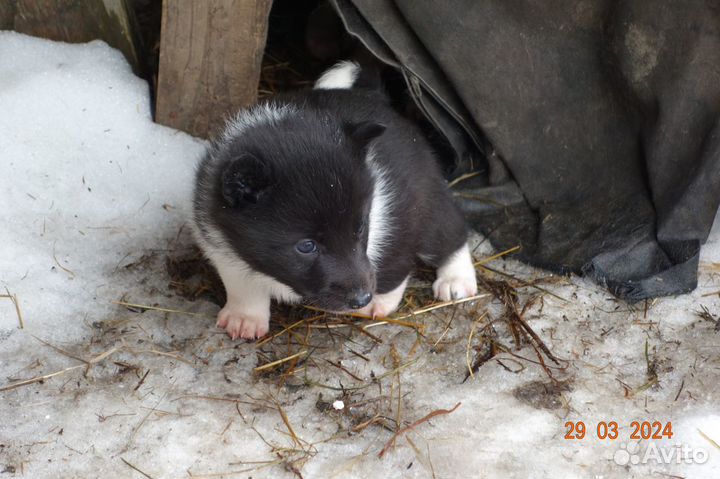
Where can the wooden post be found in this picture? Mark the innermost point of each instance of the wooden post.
(7, 15)
(77, 21)
(210, 59)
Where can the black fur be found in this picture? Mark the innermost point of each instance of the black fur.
(306, 177)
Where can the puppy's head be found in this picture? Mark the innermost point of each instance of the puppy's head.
(292, 199)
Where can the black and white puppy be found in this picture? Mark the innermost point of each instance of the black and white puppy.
(327, 196)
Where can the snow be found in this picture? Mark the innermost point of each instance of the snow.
(94, 196)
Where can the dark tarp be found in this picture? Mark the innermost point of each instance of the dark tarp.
(592, 124)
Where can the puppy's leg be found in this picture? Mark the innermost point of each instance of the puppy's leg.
(445, 248)
(247, 311)
(384, 304)
(456, 276)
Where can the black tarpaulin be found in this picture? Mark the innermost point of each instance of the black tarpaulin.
(592, 125)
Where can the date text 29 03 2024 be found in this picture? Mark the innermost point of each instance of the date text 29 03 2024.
(610, 430)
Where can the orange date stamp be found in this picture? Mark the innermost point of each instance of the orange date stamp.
(576, 430)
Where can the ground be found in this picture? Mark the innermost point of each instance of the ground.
(110, 364)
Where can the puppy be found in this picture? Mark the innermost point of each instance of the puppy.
(328, 197)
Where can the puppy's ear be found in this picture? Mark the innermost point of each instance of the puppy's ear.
(245, 180)
(363, 132)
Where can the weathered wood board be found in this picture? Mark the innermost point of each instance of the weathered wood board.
(7, 14)
(210, 59)
(76, 21)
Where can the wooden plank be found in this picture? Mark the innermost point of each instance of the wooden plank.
(78, 21)
(210, 59)
(7, 14)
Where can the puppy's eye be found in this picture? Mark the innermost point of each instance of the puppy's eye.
(361, 228)
(306, 246)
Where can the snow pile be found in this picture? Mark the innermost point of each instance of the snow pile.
(94, 197)
(87, 178)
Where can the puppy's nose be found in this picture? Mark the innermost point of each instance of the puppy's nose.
(358, 299)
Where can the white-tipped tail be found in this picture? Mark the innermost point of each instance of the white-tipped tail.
(341, 76)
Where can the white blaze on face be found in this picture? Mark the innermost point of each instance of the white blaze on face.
(342, 76)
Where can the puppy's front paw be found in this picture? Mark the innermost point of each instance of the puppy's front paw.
(240, 324)
(379, 308)
(385, 304)
(456, 277)
(454, 287)
(382, 308)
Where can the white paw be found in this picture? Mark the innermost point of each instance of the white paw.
(456, 277)
(382, 309)
(379, 308)
(454, 287)
(383, 305)
(240, 324)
